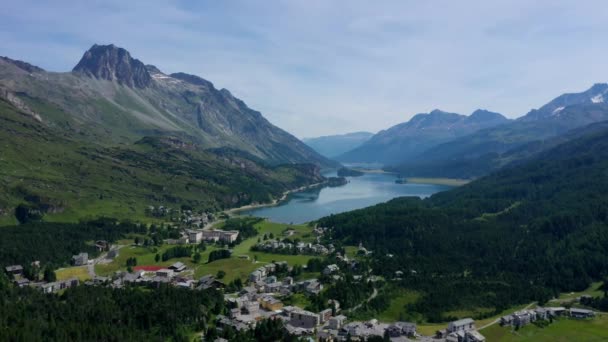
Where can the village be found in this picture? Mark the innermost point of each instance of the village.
(265, 291)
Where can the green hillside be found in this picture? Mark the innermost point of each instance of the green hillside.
(67, 178)
(522, 234)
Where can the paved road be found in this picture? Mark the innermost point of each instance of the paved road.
(91, 265)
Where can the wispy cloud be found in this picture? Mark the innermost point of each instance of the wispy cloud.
(321, 67)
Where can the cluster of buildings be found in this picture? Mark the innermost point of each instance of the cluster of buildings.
(215, 235)
(155, 276)
(462, 330)
(262, 280)
(19, 279)
(284, 247)
(524, 317)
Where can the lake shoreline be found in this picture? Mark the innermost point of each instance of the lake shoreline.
(274, 202)
(419, 180)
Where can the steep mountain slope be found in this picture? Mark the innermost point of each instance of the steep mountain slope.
(423, 131)
(520, 234)
(112, 98)
(489, 149)
(56, 173)
(332, 146)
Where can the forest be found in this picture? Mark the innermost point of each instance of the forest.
(55, 243)
(522, 234)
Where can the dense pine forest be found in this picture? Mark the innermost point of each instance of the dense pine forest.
(521, 234)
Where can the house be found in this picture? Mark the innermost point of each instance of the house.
(304, 319)
(209, 281)
(288, 281)
(464, 324)
(270, 280)
(324, 316)
(80, 259)
(330, 269)
(220, 235)
(474, 336)
(255, 276)
(164, 272)
(102, 245)
(541, 313)
(23, 282)
(270, 303)
(252, 307)
(178, 266)
(402, 329)
(195, 236)
(337, 322)
(249, 292)
(581, 313)
(555, 310)
(113, 253)
(14, 269)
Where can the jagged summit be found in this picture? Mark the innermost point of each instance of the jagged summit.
(113, 63)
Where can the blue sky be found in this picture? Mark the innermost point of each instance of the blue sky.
(322, 67)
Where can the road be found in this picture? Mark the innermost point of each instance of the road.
(498, 319)
(93, 262)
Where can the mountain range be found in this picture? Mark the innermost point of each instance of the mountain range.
(114, 135)
(332, 146)
(110, 97)
(489, 149)
(423, 131)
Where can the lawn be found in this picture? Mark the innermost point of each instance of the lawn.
(396, 311)
(79, 272)
(563, 329)
(593, 290)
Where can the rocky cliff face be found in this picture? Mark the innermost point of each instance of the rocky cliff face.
(112, 63)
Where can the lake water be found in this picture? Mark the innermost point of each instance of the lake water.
(360, 192)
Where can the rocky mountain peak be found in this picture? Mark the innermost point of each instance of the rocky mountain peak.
(112, 63)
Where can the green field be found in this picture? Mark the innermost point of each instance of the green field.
(564, 329)
(397, 311)
(79, 272)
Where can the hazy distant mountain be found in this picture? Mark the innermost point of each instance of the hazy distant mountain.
(332, 146)
(111, 97)
(486, 150)
(421, 132)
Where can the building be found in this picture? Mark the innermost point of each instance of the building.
(474, 336)
(464, 324)
(581, 313)
(113, 253)
(337, 322)
(524, 317)
(209, 281)
(252, 307)
(255, 276)
(102, 245)
(330, 269)
(324, 316)
(556, 310)
(228, 236)
(14, 269)
(402, 329)
(165, 273)
(304, 319)
(270, 303)
(80, 259)
(178, 267)
(195, 236)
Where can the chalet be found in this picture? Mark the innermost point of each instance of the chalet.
(255, 276)
(80, 259)
(209, 281)
(288, 281)
(14, 269)
(102, 245)
(581, 313)
(555, 310)
(178, 267)
(464, 324)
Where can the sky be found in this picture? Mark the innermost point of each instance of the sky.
(320, 67)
